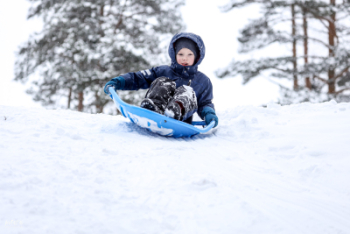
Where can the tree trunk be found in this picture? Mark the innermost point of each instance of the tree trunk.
(306, 55)
(331, 37)
(69, 98)
(98, 104)
(295, 77)
(80, 99)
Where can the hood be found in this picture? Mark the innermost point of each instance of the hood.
(189, 70)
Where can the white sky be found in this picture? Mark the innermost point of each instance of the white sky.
(218, 31)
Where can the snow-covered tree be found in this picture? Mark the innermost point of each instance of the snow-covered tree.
(318, 28)
(83, 44)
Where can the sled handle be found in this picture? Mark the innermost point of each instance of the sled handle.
(199, 123)
(209, 126)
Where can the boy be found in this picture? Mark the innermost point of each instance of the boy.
(178, 90)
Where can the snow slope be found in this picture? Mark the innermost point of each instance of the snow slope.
(263, 170)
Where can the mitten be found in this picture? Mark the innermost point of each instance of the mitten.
(116, 83)
(208, 114)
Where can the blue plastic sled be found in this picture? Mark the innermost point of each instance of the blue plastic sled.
(158, 123)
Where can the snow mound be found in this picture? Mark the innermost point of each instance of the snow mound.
(263, 170)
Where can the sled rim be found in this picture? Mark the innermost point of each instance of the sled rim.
(122, 106)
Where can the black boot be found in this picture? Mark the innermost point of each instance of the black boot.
(183, 102)
(158, 95)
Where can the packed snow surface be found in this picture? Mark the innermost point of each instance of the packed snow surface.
(262, 170)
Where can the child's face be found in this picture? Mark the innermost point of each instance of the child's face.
(185, 57)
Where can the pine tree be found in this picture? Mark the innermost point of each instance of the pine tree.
(83, 44)
(311, 66)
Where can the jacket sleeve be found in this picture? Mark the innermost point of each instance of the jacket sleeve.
(205, 98)
(141, 79)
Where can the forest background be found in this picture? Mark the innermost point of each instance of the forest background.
(220, 25)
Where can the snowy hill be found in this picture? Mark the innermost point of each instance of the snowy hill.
(264, 170)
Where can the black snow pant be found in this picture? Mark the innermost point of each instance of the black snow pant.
(163, 98)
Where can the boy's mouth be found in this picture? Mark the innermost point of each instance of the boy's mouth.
(184, 64)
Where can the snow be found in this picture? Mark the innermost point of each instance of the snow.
(263, 170)
(169, 113)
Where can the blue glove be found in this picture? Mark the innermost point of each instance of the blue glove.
(208, 114)
(116, 83)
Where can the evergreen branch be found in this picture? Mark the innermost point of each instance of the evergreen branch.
(243, 3)
(342, 90)
(345, 70)
(318, 40)
(321, 79)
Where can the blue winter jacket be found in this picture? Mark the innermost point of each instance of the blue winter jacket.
(180, 74)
